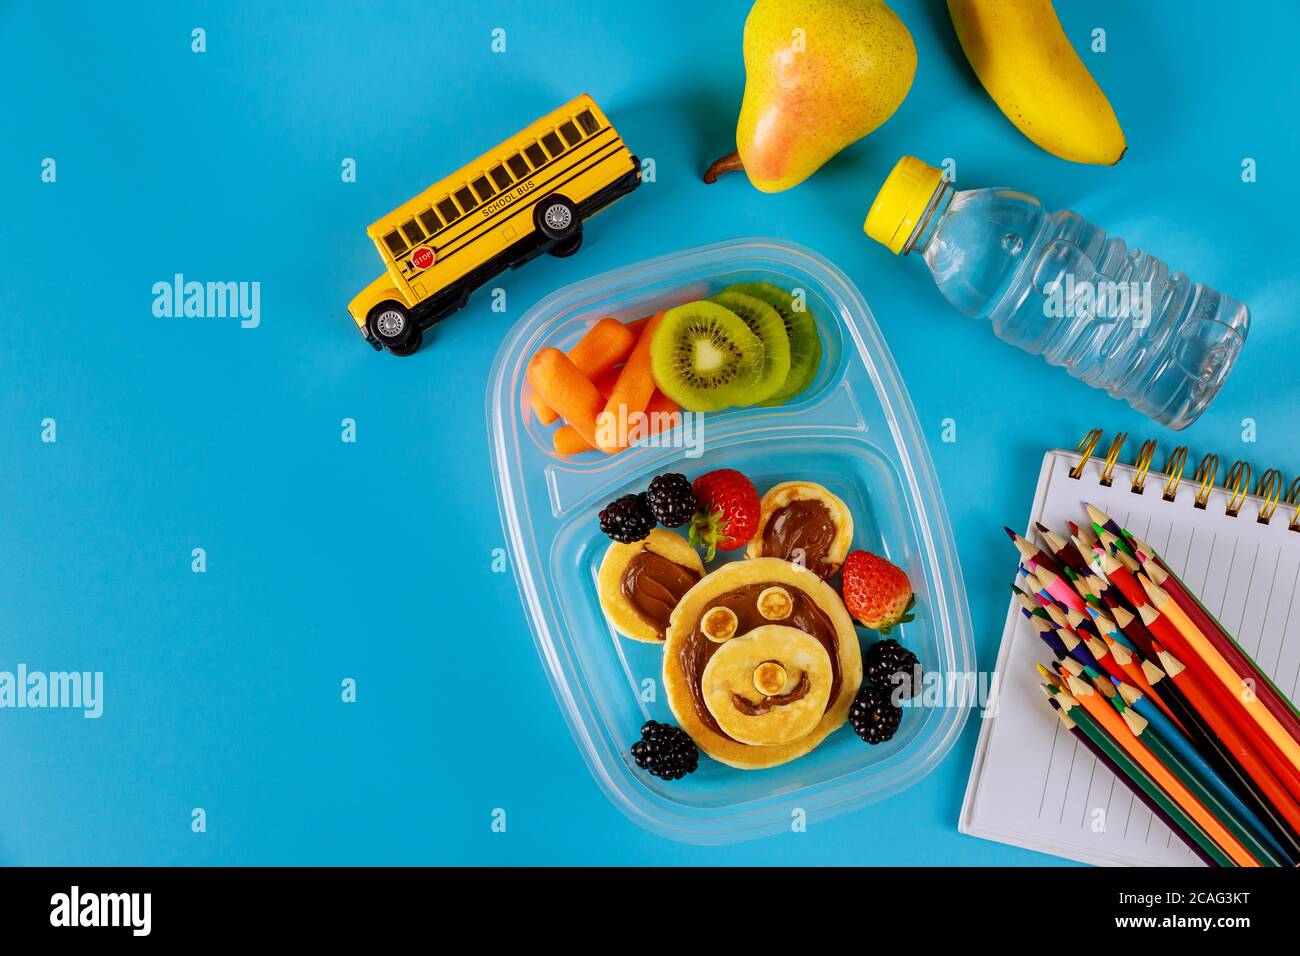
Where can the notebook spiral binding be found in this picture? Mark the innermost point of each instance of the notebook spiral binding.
(1236, 482)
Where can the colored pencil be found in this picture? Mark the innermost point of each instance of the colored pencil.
(1229, 705)
(1112, 544)
(1065, 550)
(1131, 626)
(1225, 761)
(1028, 603)
(1098, 649)
(1261, 842)
(1031, 552)
(1127, 771)
(1210, 800)
(1085, 534)
(1131, 666)
(1105, 522)
(1232, 708)
(1242, 751)
(1081, 584)
(1113, 724)
(1219, 756)
(1245, 666)
(1201, 646)
(1055, 586)
(1049, 636)
(1076, 648)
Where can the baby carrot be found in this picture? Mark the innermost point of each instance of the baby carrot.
(606, 380)
(565, 389)
(662, 414)
(568, 442)
(566, 439)
(631, 393)
(606, 343)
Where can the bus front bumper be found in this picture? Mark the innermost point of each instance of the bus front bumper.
(369, 337)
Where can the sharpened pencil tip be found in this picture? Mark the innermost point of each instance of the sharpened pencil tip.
(1096, 514)
(1010, 534)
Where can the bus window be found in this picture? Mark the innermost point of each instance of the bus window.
(587, 122)
(396, 244)
(500, 176)
(570, 134)
(447, 209)
(465, 198)
(430, 220)
(483, 188)
(535, 155)
(518, 166)
(553, 144)
(413, 232)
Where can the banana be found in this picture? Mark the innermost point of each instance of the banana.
(1026, 63)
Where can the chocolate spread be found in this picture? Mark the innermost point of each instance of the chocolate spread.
(751, 709)
(804, 526)
(653, 585)
(697, 649)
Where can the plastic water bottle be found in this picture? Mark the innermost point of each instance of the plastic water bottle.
(1055, 285)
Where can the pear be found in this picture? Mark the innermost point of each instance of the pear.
(819, 75)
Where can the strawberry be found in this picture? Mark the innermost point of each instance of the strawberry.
(728, 511)
(876, 592)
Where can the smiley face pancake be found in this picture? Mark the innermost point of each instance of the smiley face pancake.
(803, 522)
(761, 662)
(768, 687)
(640, 583)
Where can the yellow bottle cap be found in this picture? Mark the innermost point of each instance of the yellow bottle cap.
(901, 202)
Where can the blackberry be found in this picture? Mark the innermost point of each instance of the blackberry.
(886, 658)
(665, 751)
(874, 717)
(672, 500)
(627, 519)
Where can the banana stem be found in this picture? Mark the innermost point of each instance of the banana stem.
(720, 167)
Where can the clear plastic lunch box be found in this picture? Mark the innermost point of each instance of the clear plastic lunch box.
(853, 430)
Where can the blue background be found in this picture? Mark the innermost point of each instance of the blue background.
(372, 560)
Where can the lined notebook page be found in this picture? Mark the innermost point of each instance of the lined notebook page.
(1032, 783)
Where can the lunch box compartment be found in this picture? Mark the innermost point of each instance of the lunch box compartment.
(853, 430)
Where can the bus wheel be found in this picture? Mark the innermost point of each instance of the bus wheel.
(391, 324)
(410, 346)
(562, 250)
(556, 218)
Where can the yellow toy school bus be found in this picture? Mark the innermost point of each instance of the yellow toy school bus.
(525, 197)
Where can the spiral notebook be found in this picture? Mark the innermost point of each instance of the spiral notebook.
(1237, 545)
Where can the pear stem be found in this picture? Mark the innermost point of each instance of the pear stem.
(720, 167)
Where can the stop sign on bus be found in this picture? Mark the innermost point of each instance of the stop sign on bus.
(422, 257)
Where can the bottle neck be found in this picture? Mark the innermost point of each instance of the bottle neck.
(928, 225)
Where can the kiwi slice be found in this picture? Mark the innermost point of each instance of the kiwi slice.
(704, 357)
(765, 322)
(805, 343)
